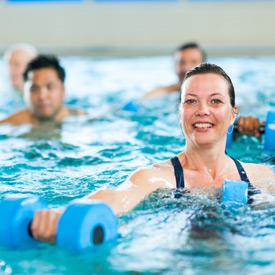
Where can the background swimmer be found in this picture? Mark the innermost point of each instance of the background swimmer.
(17, 58)
(44, 94)
(186, 57)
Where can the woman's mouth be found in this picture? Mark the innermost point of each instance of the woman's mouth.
(202, 125)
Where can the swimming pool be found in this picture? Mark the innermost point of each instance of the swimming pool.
(190, 235)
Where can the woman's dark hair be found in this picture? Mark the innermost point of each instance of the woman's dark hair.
(44, 62)
(192, 45)
(207, 68)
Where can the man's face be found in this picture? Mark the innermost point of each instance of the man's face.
(187, 60)
(17, 64)
(44, 93)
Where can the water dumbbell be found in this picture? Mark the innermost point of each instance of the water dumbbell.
(268, 129)
(83, 224)
(234, 193)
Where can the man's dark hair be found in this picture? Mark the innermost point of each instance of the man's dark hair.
(192, 45)
(207, 68)
(44, 62)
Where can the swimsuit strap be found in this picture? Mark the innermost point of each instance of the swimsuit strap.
(241, 171)
(179, 175)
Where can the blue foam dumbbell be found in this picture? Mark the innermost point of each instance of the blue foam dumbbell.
(229, 137)
(83, 224)
(268, 129)
(16, 216)
(235, 193)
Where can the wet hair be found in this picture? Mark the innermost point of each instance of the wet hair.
(192, 45)
(207, 68)
(45, 62)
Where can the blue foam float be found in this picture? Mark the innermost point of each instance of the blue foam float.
(270, 131)
(235, 193)
(16, 216)
(85, 224)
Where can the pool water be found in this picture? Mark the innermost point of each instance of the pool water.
(163, 235)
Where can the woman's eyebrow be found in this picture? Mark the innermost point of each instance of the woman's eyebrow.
(216, 94)
(190, 94)
(213, 94)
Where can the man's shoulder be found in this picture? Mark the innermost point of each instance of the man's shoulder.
(21, 117)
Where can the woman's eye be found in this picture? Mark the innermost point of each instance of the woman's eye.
(190, 101)
(216, 101)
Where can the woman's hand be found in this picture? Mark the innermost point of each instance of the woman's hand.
(44, 225)
(249, 126)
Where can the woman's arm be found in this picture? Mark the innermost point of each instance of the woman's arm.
(125, 197)
(121, 199)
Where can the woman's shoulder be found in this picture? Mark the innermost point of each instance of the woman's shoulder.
(259, 172)
(159, 173)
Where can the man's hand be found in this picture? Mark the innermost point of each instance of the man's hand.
(249, 126)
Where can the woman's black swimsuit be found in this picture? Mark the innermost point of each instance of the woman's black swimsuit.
(179, 175)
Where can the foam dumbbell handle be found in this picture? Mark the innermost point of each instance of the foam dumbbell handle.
(17, 214)
(234, 193)
(85, 224)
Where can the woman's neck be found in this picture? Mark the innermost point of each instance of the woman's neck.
(212, 161)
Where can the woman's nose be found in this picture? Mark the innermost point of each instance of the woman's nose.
(203, 109)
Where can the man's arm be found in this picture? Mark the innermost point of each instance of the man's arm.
(161, 91)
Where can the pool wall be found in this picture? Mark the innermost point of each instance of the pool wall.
(222, 27)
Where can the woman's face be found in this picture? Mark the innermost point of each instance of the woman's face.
(206, 112)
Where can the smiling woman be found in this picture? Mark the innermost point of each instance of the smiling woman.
(207, 110)
(207, 105)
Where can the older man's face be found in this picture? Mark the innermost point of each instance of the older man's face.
(44, 93)
(17, 64)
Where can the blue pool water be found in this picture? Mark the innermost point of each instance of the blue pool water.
(162, 235)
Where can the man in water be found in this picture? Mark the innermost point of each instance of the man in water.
(187, 57)
(44, 94)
